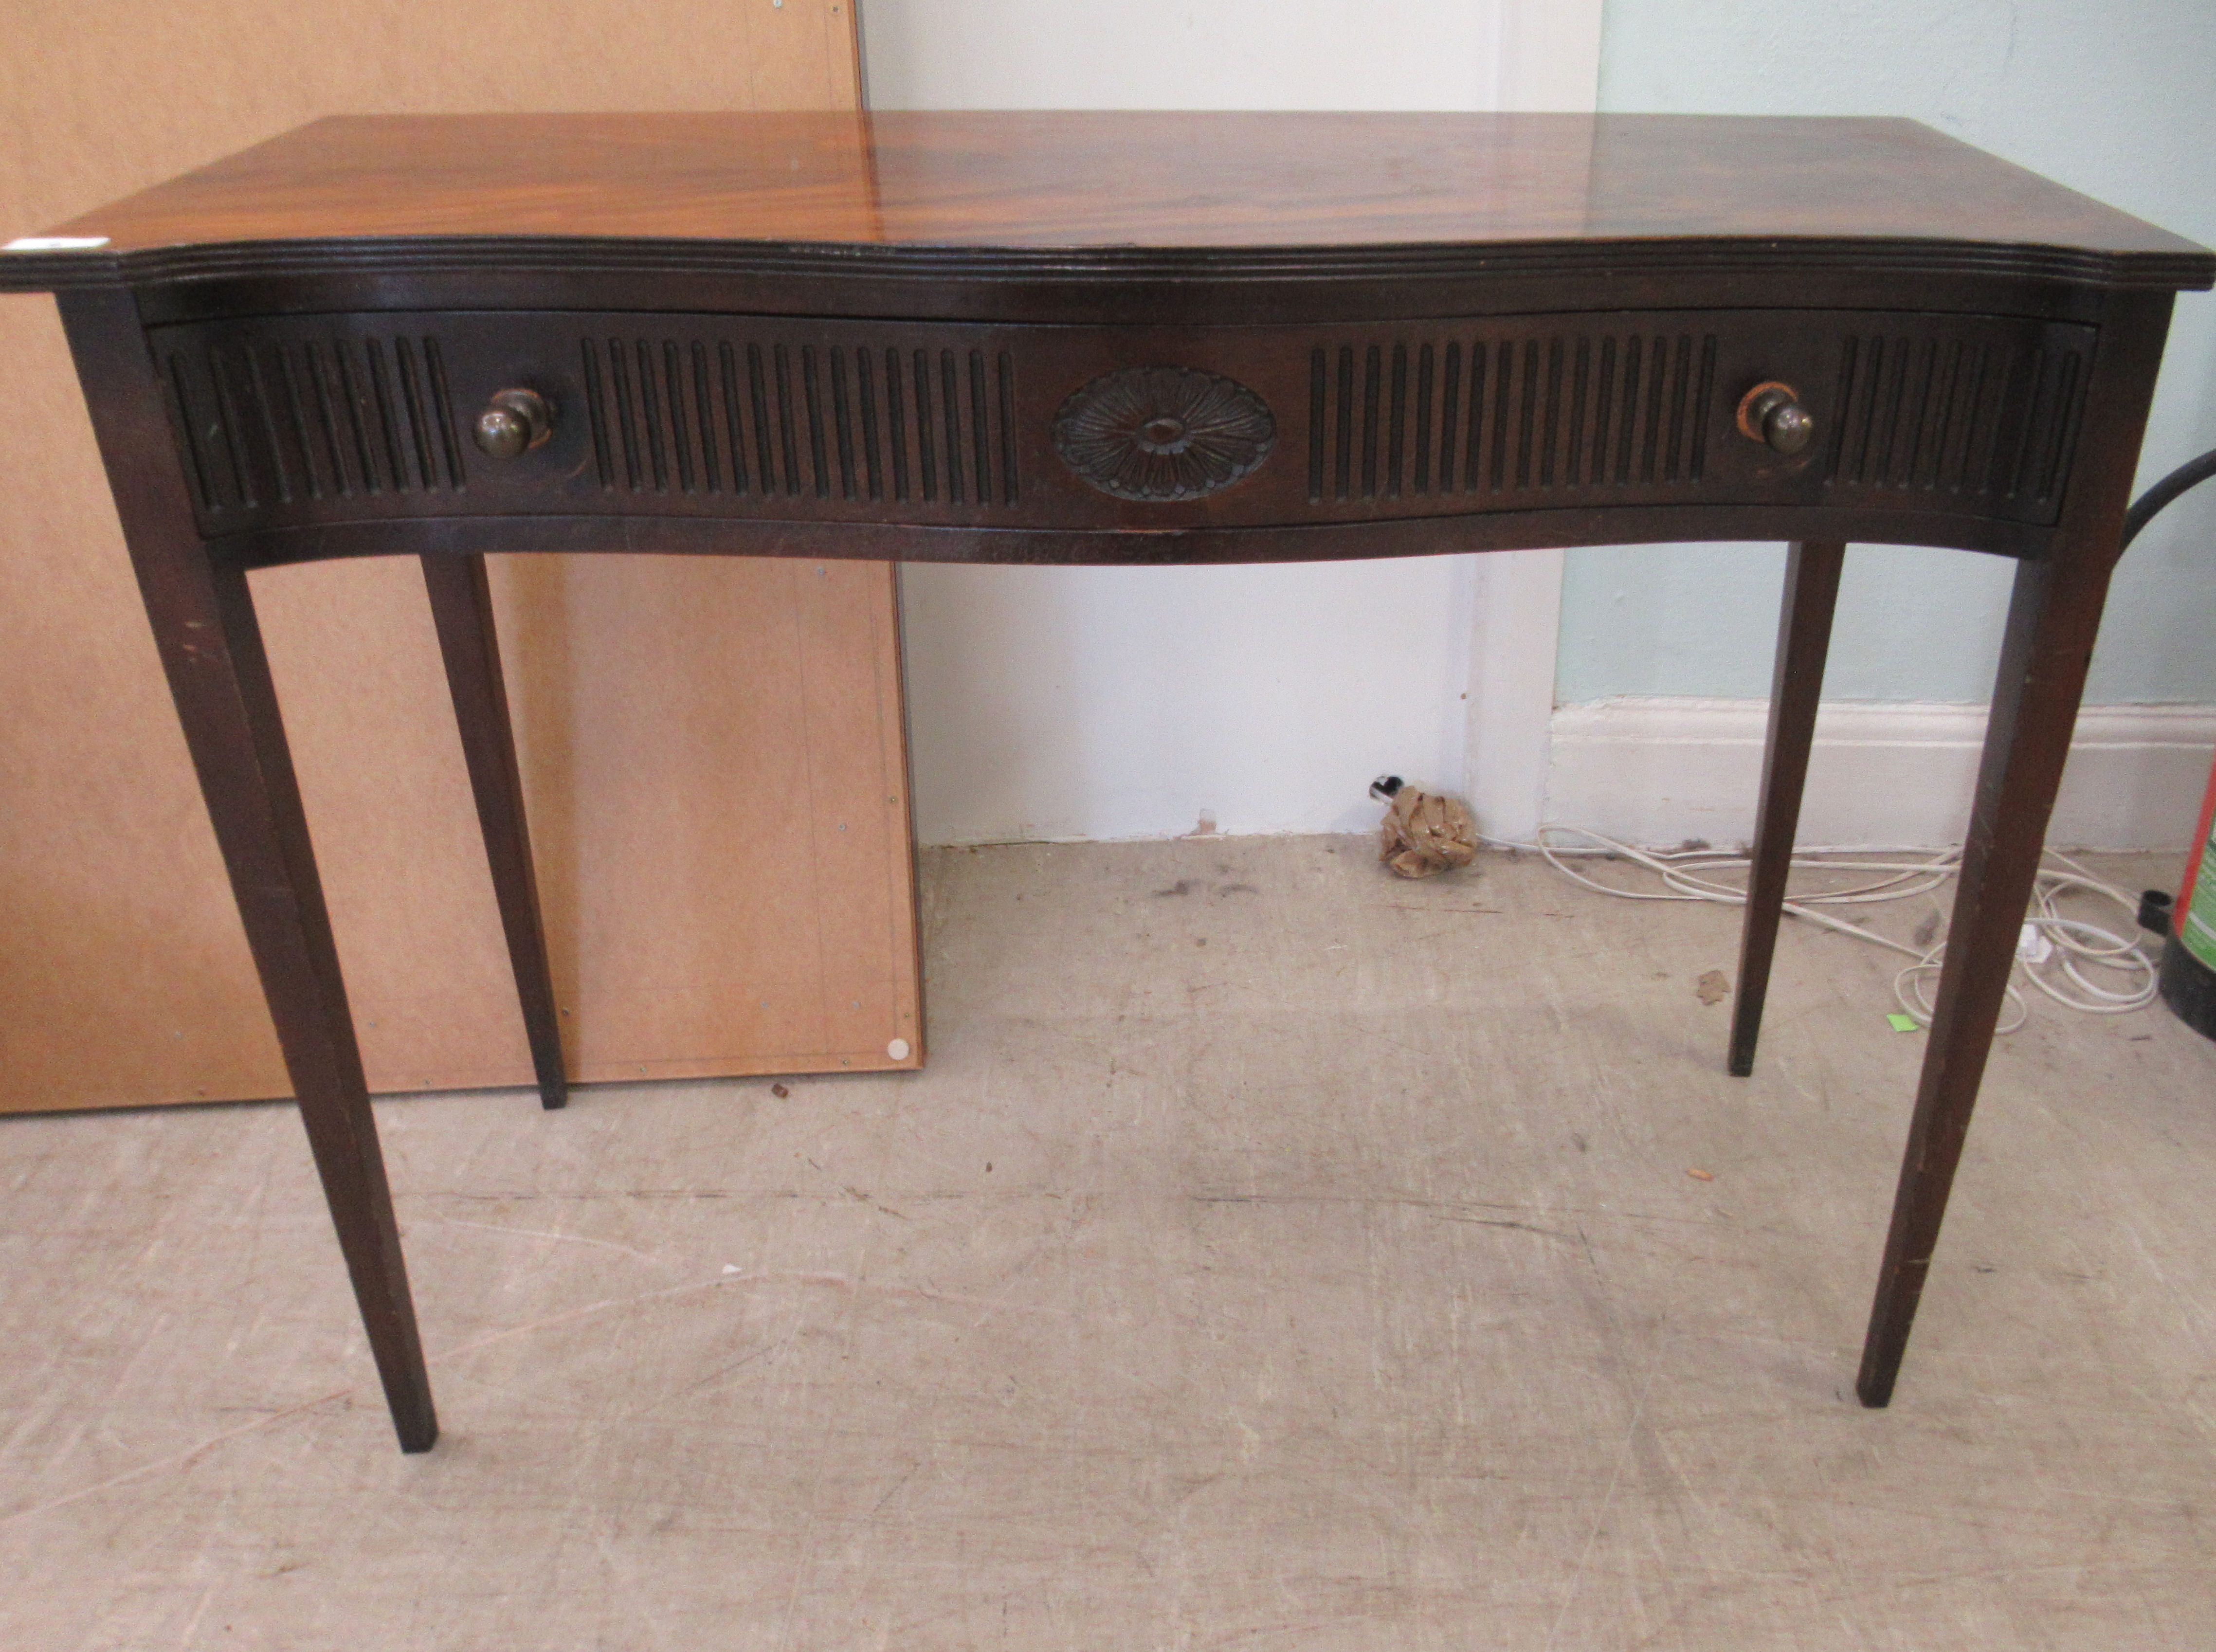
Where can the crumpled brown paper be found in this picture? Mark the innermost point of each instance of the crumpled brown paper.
(1423, 833)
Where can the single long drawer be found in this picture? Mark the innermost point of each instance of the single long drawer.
(300, 420)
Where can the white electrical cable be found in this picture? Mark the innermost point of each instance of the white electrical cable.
(2062, 944)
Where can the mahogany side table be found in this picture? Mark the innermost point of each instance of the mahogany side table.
(1132, 338)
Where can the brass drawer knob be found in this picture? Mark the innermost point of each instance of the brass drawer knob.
(513, 422)
(1772, 413)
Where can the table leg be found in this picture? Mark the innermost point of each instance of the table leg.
(211, 647)
(238, 742)
(2052, 617)
(1804, 637)
(461, 607)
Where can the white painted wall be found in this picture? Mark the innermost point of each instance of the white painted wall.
(1147, 702)
(1136, 703)
(1661, 771)
(1181, 54)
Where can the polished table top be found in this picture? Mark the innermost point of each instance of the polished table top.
(1109, 180)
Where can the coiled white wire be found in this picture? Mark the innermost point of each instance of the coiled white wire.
(2074, 945)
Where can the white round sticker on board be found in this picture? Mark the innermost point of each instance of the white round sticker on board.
(897, 1050)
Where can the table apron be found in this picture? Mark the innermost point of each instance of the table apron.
(1963, 425)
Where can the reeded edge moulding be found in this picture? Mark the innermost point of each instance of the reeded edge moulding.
(1163, 434)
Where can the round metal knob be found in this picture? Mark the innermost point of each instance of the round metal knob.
(513, 422)
(1772, 413)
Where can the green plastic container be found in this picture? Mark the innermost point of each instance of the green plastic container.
(2188, 959)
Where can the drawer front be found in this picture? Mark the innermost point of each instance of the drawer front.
(319, 419)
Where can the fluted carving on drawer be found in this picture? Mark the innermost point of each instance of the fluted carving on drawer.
(1981, 418)
(1508, 415)
(796, 420)
(281, 422)
(289, 422)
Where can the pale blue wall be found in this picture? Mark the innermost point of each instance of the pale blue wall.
(2113, 98)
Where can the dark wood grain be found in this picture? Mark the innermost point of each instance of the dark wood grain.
(1134, 286)
(1080, 180)
(1804, 637)
(461, 610)
(1122, 217)
(2054, 616)
(203, 620)
(1418, 536)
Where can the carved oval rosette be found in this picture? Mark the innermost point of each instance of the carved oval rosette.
(1163, 434)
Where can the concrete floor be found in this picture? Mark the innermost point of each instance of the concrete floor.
(1273, 1256)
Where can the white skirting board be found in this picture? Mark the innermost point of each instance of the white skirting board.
(1659, 771)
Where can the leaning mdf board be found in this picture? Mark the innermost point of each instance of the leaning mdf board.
(712, 749)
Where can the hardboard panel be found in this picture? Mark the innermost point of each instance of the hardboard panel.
(126, 980)
(364, 699)
(125, 976)
(858, 794)
(736, 896)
